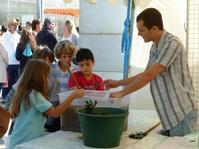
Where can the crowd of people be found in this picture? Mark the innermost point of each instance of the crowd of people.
(19, 43)
(36, 66)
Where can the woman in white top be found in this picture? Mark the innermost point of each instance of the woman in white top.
(69, 34)
(3, 67)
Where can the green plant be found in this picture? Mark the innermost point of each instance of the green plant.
(90, 106)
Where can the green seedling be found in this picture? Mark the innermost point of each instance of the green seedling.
(90, 106)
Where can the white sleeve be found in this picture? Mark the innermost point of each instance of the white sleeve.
(3, 53)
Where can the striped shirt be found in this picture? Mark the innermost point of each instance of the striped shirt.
(172, 90)
(61, 77)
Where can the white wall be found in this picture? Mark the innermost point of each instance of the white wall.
(101, 26)
(174, 18)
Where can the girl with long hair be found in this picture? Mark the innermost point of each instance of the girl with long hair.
(30, 105)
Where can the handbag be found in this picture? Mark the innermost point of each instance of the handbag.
(4, 121)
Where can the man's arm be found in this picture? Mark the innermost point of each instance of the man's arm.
(115, 83)
(128, 80)
(140, 80)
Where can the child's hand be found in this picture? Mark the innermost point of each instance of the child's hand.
(77, 93)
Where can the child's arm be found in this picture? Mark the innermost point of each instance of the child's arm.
(57, 111)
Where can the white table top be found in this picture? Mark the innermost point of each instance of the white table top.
(68, 140)
(72, 140)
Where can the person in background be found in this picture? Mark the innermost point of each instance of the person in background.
(19, 26)
(54, 27)
(85, 78)
(25, 48)
(3, 30)
(36, 26)
(46, 35)
(28, 26)
(3, 67)
(30, 104)
(77, 28)
(68, 34)
(168, 74)
(10, 39)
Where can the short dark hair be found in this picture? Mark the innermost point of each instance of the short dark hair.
(3, 28)
(28, 23)
(151, 17)
(68, 22)
(34, 23)
(46, 22)
(84, 54)
(44, 52)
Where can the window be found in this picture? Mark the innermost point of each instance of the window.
(193, 42)
(17, 9)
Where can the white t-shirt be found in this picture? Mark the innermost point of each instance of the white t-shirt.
(72, 38)
(10, 42)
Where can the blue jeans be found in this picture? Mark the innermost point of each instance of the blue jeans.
(186, 126)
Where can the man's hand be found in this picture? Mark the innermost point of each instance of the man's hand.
(118, 94)
(110, 84)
